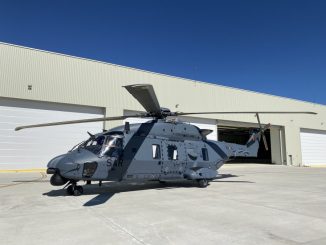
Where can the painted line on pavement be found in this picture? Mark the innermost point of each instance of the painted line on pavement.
(31, 170)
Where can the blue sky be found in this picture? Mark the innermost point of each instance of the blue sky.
(276, 47)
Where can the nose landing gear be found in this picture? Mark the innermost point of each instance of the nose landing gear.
(74, 189)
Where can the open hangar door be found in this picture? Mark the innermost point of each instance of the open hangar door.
(240, 135)
(237, 132)
(33, 148)
(313, 145)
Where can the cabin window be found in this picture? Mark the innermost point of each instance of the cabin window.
(172, 152)
(205, 154)
(156, 151)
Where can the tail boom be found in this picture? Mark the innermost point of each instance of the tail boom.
(250, 149)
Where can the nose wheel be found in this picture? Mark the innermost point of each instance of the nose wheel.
(75, 190)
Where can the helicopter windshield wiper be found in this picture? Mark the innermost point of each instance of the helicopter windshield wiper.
(77, 146)
(92, 137)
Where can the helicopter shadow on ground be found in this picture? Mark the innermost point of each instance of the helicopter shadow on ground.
(109, 189)
(225, 176)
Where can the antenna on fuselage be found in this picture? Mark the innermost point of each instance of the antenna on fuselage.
(127, 127)
(90, 135)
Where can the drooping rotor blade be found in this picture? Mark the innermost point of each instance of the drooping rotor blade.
(264, 136)
(258, 119)
(261, 134)
(79, 121)
(146, 96)
(267, 126)
(262, 131)
(265, 141)
(243, 112)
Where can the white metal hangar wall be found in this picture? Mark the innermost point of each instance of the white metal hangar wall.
(33, 148)
(56, 86)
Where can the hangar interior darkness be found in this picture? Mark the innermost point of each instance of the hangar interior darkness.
(240, 135)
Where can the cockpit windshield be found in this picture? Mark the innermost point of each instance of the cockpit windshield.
(104, 145)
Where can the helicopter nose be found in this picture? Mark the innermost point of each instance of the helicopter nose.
(52, 165)
(67, 165)
(59, 170)
(58, 166)
(54, 161)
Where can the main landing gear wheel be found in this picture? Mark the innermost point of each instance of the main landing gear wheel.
(70, 190)
(202, 183)
(75, 190)
(78, 190)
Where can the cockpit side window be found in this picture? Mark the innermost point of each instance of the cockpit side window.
(112, 146)
(205, 154)
(97, 141)
(93, 144)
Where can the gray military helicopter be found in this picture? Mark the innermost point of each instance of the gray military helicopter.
(161, 149)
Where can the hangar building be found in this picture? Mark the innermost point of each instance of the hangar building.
(38, 86)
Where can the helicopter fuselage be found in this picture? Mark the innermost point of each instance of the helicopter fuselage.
(159, 149)
(155, 150)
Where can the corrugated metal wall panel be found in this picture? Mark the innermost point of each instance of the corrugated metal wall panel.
(33, 148)
(66, 79)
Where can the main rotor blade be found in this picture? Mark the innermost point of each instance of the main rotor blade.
(79, 121)
(244, 112)
(262, 131)
(258, 119)
(146, 96)
(267, 126)
(265, 141)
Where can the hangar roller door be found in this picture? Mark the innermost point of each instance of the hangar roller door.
(313, 147)
(33, 148)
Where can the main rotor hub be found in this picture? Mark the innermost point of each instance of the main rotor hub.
(165, 112)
